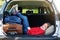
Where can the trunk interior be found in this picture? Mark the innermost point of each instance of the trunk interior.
(36, 19)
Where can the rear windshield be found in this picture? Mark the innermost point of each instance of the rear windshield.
(35, 8)
(40, 10)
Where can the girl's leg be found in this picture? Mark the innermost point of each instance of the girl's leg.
(26, 24)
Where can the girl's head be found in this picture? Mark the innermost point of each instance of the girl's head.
(45, 25)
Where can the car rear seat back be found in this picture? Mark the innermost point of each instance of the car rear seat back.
(38, 20)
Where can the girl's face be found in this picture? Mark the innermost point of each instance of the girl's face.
(46, 25)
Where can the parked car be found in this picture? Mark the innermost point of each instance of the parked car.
(42, 12)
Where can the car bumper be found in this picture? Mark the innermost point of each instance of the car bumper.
(31, 38)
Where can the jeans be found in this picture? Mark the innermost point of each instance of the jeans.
(25, 22)
(24, 18)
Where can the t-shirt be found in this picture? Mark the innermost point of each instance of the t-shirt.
(36, 31)
(12, 19)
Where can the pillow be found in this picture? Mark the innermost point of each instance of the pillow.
(49, 30)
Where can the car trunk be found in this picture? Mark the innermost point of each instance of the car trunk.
(38, 19)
